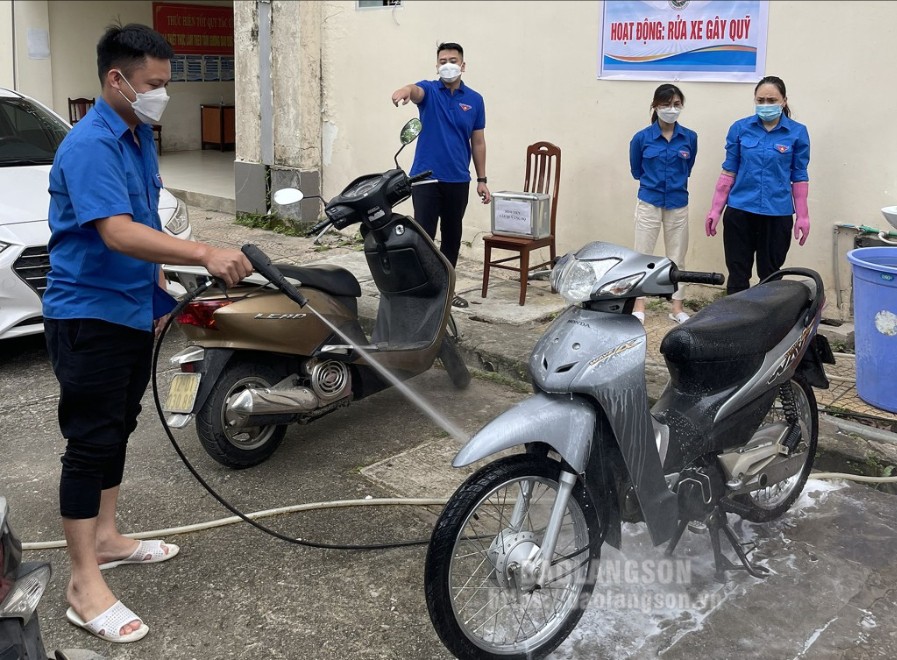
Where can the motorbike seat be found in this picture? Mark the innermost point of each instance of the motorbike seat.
(749, 322)
(327, 278)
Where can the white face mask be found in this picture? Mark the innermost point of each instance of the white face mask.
(449, 72)
(668, 114)
(148, 106)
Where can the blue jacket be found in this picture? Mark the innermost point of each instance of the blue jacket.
(100, 171)
(765, 164)
(662, 168)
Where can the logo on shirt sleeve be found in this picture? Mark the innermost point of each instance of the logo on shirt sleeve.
(783, 148)
(684, 153)
(159, 179)
(465, 107)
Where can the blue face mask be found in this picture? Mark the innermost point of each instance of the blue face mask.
(769, 112)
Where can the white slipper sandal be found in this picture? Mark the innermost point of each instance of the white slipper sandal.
(681, 317)
(148, 552)
(640, 316)
(108, 624)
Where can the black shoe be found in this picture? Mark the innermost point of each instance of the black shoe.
(458, 301)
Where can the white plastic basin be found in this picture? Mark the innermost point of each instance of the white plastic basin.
(890, 214)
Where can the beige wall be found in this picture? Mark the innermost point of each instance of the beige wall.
(75, 28)
(17, 69)
(535, 64)
(6, 45)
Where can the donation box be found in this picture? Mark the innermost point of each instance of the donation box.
(521, 214)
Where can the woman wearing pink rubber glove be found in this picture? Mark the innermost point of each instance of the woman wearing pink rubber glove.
(763, 182)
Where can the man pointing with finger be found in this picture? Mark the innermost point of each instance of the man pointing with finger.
(454, 120)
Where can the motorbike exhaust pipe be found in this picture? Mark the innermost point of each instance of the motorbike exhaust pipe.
(269, 401)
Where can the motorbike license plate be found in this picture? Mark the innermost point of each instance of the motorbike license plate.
(182, 393)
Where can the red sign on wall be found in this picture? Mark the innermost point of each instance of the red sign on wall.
(195, 29)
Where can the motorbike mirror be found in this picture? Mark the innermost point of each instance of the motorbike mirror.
(286, 196)
(410, 131)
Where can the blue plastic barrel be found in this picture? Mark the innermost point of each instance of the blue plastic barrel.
(875, 324)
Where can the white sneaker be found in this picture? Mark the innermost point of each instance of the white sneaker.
(681, 317)
(640, 316)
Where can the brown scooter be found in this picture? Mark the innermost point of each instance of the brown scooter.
(282, 347)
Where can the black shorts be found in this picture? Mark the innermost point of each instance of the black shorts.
(103, 369)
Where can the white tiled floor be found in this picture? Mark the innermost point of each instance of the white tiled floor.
(207, 172)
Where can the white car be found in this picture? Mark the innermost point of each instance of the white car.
(29, 136)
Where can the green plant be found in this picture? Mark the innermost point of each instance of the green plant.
(338, 240)
(839, 346)
(269, 222)
(499, 379)
(879, 468)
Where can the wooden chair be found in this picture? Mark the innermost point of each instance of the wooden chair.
(543, 175)
(78, 108)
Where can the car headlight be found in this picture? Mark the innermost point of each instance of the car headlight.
(179, 220)
(576, 279)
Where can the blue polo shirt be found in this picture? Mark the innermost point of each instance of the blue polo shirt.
(662, 167)
(449, 120)
(100, 171)
(766, 163)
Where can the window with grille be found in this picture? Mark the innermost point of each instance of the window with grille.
(378, 4)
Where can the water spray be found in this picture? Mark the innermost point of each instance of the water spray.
(269, 271)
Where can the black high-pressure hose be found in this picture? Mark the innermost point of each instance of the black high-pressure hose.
(227, 505)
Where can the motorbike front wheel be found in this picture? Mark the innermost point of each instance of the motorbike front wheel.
(775, 499)
(238, 447)
(480, 591)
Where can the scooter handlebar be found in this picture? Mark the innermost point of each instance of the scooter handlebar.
(696, 277)
(318, 227)
(262, 264)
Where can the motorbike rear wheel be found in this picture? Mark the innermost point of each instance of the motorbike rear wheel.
(480, 598)
(245, 446)
(773, 501)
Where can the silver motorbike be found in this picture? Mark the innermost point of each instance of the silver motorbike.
(513, 557)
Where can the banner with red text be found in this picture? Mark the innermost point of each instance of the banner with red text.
(712, 40)
(195, 29)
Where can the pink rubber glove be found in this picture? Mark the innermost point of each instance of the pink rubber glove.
(720, 195)
(799, 191)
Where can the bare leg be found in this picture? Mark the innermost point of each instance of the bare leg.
(88, 592)
(112, 545)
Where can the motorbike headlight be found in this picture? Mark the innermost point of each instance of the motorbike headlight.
(577, 279)
(30, 584)
(558, 270)
(179, 220)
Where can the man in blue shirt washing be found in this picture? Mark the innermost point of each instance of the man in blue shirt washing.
(104, 299)
(454, 120)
